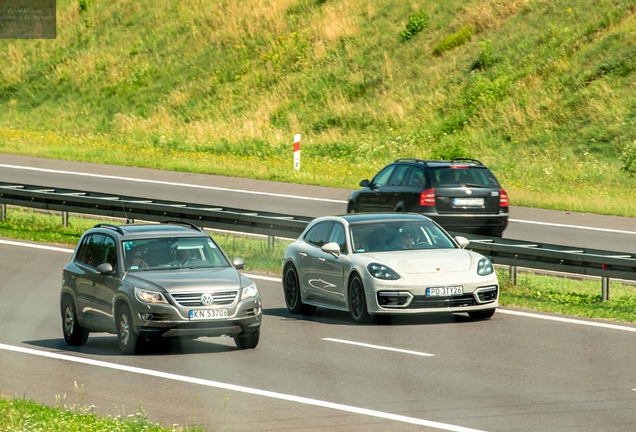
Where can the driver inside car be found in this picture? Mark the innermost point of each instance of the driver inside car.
(182, 256)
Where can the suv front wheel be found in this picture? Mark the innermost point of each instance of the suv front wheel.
(128, 340)
(249, 341)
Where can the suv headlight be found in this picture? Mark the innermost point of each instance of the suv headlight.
(380, 271)
(249, 292)
(149, 296)
(484, 267)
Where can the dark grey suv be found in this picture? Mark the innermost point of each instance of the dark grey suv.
(461, 195)
(156, 281)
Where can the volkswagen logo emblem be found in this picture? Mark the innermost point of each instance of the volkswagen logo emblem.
(207, 299)
(469, 192)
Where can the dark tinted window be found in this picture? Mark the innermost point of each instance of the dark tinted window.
(319, 235)
(397, 179)
(338, 236)
(83, 249)
(110, 252)
(464, 177)
(417, 179)
(383, 176)
(91, 252)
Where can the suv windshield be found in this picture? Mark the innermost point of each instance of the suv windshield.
(393, 236)
(173, 252)
(463, 176)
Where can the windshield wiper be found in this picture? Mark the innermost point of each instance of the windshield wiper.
(475, 185)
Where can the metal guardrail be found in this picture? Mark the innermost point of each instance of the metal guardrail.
(513, 253)
(74, 201)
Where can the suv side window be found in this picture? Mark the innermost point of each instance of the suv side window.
(397, 179)
(319, 235)
(417, 179)
(110, 252)
(383, 176)
(83, 250)
(338, 236)
(94, 252)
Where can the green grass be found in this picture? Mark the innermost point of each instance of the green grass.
(27, 415)
(541, 91)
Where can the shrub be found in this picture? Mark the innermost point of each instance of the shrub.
(454, 40)
(417, 23)
(628, 159)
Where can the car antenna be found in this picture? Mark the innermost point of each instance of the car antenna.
(125, 214)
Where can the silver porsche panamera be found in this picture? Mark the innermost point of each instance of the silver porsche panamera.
(374, 265)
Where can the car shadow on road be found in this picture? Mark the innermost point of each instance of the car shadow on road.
(107, 346)
(326, 316)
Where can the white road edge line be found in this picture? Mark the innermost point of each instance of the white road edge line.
(138, 180)
(379, 347)
(240, 389)
(566, 320)
(573, 226)
(273, 279)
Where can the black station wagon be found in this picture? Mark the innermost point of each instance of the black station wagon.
(156, 281)
(461, 195)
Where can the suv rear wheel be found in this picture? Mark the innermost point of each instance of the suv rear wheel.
(74, 334)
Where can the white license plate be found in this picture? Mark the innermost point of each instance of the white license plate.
(468, 201)
(208, 314)
(444, 291)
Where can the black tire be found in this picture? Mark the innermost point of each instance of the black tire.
(352, 208)
(291, 290)
(74, 334)
(128, 340)
(249, 341)
(358, 301)
(482, 314)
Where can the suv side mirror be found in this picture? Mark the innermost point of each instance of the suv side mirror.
(104, 268)
(364, 183)
(332, 248)
(238, 263)
(462, 241)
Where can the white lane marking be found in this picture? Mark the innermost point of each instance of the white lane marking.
(36, 246)
(240, 389)
(567, 320)
(573, 226)
(265, 278)
(166, 183)
(379, 347)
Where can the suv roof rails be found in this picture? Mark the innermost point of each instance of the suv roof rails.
(111, 226)
(411, 160)
(467, 160)
(177, 222)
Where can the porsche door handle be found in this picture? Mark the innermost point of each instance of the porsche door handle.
(302, 254)
(322, 260)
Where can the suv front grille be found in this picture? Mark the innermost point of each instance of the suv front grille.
(221, 298)
(423, 302)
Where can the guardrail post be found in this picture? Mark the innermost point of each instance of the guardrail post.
(605, 292)
(270, 242)
(65, 219)
(513, 275)
(3, 212)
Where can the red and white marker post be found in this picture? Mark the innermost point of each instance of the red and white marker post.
(297, 152)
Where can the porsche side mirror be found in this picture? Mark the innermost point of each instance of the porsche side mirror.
(462, 241)
(332, 248)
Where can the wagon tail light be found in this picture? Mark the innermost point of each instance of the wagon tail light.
(503, 198)
(427, 198)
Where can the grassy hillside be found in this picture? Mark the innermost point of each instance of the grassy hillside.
(543, 91)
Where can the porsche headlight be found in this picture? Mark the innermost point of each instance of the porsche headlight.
(484, 267)
(149, 296)
(249, 292)
(380, 271)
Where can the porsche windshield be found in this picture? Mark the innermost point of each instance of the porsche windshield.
(173, 253)
(393, 236)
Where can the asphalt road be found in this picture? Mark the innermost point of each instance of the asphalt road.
(543, 226)
(510, 373)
